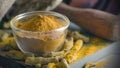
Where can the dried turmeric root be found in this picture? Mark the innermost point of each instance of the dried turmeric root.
(38, 65)
(54, 54)
(8, 44)
(68, 44)
(31, 61)
(14, 54)
(71, 56)
(65, 64)
(76, 35)
(51, 65)
(3, 35)
(62, 64)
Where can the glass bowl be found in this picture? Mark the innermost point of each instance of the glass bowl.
(33, 42)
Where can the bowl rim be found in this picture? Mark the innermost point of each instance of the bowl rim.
(34, 12)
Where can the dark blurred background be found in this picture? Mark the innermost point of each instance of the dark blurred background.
(20, 6)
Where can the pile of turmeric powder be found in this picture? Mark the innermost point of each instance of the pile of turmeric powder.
(41, 23)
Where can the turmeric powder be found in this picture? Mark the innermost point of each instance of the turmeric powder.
(40, 39)
(41, 23)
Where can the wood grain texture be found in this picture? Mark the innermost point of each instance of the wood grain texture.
(4, 7)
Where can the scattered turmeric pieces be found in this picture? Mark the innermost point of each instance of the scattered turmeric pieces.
(8, 44)
(74, 53)
(95, 64)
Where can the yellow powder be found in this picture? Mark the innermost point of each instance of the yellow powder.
(41, 43)
(41, 23)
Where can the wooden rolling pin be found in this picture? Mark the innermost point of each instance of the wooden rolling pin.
(100, 23)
